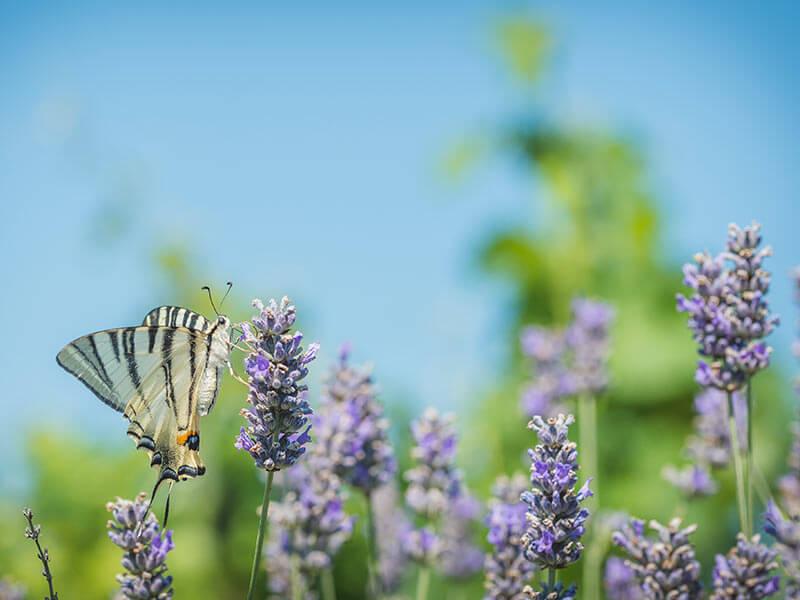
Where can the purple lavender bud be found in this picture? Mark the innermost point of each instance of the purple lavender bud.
(552, 381)
(665, 567)
(694, 481)
(309, 525)
(786, 531)
(507, 570)
(145, 548)
(391, 525)
(352, 433)
(746, 571)
(422, 545)
(620, 581)
(460, 557)
(279, 412)
(789, 484)
(434, 481)
(587, 337)
(555, 517)
(728, 310)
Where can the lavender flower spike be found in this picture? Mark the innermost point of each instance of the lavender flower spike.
(146, 548)
(665, 567)
(552, 381)
(786, 531)
(279, 412)
(620, 581)
(352, 433)
(434, 481)
(507, 570)
(310, 525)
(555, 517)
(587, 336)
(746, 572)
(728, 311)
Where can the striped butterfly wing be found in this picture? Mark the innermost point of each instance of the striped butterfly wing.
(153, 374)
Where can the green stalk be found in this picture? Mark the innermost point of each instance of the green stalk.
(741, 500)
(749, 462)
(328, 585)
(373, 585)
(296, 581)
(262, 527)
(587, 415)
(423, 582)
(551, 578)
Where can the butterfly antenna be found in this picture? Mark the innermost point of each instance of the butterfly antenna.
(228, 291)
(210, 298)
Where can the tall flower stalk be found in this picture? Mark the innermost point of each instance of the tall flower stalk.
(729, 317)
(353, 442)
(279, 412)
(33, 532)
(135, 529)
(555, 517)
(434, 484)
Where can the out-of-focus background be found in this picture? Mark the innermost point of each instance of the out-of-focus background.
(421, 180)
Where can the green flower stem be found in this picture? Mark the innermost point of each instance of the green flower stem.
(373, 585)
(262, 527)
(551, 578)
(328, 585)
(587, 415)
(423, 582)
(749, 462)
(296, 581)
(738, 466)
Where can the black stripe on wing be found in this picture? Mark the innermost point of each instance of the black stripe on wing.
(80, 360)
(176, 316)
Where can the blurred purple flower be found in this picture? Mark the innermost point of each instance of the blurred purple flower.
(555, 518)
(665, 567)
(146, 549)
(552, 382)
(694, 481)
(11, 591)
(309, 525)
(745, 572)
(352, 433)
(507, 570)
(620, 581)
(460, 557)
(587, 338)
(786, 532)
(391, 525)
(728, 310)
(279, 412)
(434, 481)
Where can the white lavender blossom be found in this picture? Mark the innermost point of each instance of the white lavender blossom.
(507, 570)
(555, 517)
(279, 412)
(745, 572)
(134, 529)
(352, 433)
(665, 567)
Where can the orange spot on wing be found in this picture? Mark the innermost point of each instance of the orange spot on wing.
(183, 437)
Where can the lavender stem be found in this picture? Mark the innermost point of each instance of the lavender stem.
(738, 468)
(423, 582)
(749, 463)
(328, 585)
(262, 527)
(33, 533)
(372, 560)
(587, 416)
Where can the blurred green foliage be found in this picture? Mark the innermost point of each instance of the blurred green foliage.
(592, 230)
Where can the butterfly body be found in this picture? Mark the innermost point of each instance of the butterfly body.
(163, 376)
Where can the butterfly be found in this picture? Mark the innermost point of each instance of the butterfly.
(162, 376)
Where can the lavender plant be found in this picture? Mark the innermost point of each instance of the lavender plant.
(134, 529)
(309, 528)
(279, 412)
(786, 532)
(391, 525)
(551, 384)
(507, 571)
(620, 581)
(32, 532)
(434, 483)
(460, 557)
(664, 567)
(746, 572)
(353, 439)
(10, 591)
(729, 317)
(555, 518)
(789, 484)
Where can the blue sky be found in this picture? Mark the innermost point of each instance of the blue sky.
(294, 150)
